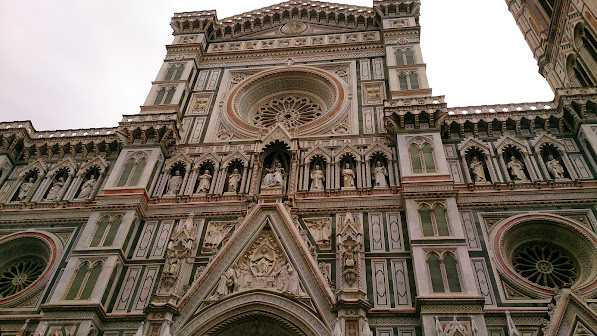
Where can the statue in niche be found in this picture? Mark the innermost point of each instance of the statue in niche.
(25, 188)
(55, 189)
(234, 180)
(516, 169)
(348, 176)
(174, 183)
(204, 182)
(379, 173)
(478, 170)
(274, 176)
(555, 168)
(87, 187)
(317, 179)
(349, 272)
(321, 230)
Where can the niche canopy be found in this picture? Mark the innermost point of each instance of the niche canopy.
(299, 98)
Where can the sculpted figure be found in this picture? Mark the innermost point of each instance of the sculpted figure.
(517, 169)
(204, 182)
(87, 187)
(292, 285)
(317, 179)
(555, 168)
(348, 176)
(174, 183)
(55, 189)
(268, 178)
(478, 170)
(380, 172)
(234, 180)
(278, 174)
(321, 230)
(25, 187)
(227, 282)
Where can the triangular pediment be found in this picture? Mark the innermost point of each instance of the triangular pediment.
(571, 310)
(265, 258)
(295, 28)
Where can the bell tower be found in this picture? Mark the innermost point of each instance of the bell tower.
(441, 262)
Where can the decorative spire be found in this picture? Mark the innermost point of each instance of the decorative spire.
(512, 330)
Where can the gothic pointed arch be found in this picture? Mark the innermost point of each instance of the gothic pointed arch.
(317, 292)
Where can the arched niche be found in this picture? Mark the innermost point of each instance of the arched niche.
(275, 168)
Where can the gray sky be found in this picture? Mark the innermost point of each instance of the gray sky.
(84, 63)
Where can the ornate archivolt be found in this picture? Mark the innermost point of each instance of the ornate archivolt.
(304, 100)
(538, 252)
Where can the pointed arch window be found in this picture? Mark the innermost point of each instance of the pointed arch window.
(164, 96)
(174, 72)
(422, 158)
(405, 57)
(409, 80)
(105, 232)
(83, 282)
(132, 172)
(434, 220)
(444, 273)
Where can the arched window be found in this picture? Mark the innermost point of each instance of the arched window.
(444, 273)
(167, 92)
(179, 71)
(452, 273)
(410, 57)
(403, 81)
(170, 72)
(414, 80)
(422, 158)
(159, 97)
(399, 57)
(169, 96)
(106, 231)
(434, 220)
(83, 282)
(435, 272)
(132, 172)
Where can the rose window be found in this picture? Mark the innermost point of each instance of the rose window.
(19, 275)
(289, 111)
(545, 265)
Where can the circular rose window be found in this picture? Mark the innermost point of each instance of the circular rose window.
(27, 259)
(545, 265)
(544, 252)
(305, 99)
(20, 274)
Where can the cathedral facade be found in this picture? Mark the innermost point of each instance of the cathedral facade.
(291, 173)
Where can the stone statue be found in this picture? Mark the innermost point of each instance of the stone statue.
(517, 169)
(348, 176)
(55, 189)
(478, 170)
(379, 173)
(87, 187)
(215, 234)
(234, 180)
(321, 230)
(274, 176)
(25, 188)
(555, 168)
(204, 182)
(292, 285)
(174, 183)
(317, 179)
(366, 329)
(227, 283)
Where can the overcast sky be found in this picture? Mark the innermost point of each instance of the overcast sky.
(84, 63)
